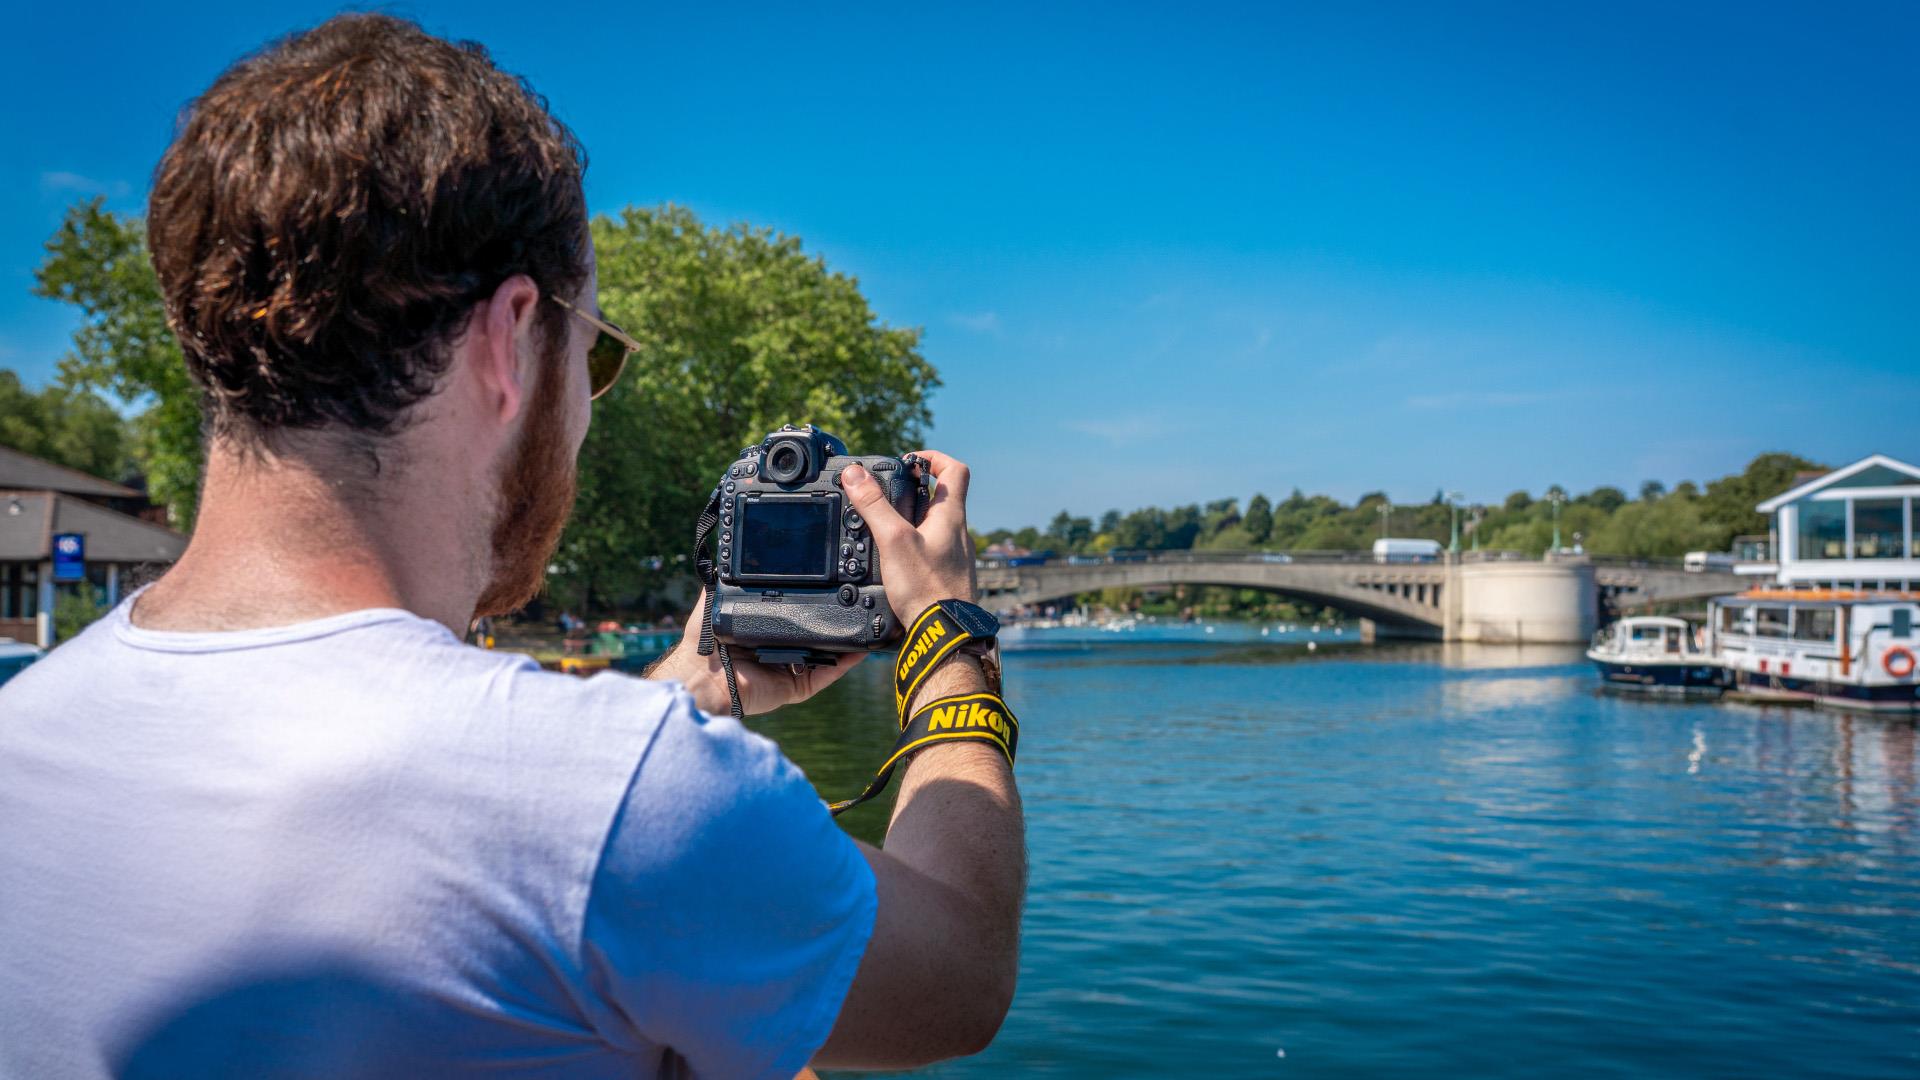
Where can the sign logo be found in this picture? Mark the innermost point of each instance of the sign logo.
(69, 557)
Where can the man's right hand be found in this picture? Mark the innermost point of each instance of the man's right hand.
(929, 563)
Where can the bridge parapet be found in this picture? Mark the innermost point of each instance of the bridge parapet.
(1560, 599)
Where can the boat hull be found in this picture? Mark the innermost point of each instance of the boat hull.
(1694, 679)
(1895, 697)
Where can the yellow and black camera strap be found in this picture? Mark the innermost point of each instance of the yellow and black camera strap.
(944, 629)
(981, 717)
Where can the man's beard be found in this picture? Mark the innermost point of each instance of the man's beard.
(536, 496)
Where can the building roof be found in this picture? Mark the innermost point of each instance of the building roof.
(23, 472)
(30, 519)
(1910, 475)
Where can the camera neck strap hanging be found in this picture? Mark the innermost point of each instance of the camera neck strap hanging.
(961, 718)
(708, 571)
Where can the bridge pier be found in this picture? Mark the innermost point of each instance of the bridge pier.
(1372, 630)
(1555, 600)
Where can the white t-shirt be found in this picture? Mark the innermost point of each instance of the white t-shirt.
(359, 848)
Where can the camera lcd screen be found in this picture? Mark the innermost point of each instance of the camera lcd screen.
(786, 537)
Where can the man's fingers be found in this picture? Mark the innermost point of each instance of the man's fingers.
(951, 472)
(867, 497)
(950, 491)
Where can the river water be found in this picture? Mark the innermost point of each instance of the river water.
(1253, 860)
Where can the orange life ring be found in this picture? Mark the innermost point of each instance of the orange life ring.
(1898, 652)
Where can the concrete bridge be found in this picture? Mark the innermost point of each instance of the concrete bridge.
(1490, 597)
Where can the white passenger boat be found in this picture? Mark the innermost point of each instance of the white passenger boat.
(1849, 648)
(1656, 654)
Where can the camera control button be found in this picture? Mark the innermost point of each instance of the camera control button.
(861, 547)
(866, 601)
(854, 521)
(853, 567)
(730, 487)
(879, 625)
(848, 594)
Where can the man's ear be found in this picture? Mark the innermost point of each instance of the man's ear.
(504, 336)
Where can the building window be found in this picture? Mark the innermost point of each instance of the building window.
(1879, 528)
(19, 591)
(1814, 624)
(1823, 529)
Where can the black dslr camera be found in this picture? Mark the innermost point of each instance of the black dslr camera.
(798, 576)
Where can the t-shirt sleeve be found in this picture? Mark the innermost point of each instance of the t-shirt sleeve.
(728, 913)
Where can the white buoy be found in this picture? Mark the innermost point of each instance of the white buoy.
(1312, 645)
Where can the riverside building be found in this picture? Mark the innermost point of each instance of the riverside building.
(66, 530)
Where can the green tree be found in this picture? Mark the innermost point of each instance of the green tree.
(65, 425)
(743, 331)
(1652, 490)
(97, 261)
(1729, 501)
(1259, 519)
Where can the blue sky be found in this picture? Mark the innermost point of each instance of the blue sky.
(1172, 253)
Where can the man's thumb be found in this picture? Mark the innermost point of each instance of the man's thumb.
(866, 496)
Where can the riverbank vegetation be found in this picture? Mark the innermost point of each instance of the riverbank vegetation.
(1657, 522)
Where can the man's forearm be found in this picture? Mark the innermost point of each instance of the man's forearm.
(958, 820)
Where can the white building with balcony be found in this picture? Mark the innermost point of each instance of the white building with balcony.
(1852, 528)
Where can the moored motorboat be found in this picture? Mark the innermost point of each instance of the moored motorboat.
(1656, 654)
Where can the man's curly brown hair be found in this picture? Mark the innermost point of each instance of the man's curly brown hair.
(334, 206)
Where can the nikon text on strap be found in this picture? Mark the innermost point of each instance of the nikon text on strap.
(946, 628)
(961, 718)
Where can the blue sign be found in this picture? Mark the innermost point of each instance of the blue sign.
(69, 557)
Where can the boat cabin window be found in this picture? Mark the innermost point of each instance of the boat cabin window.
(1814, 624)
(1673, 639)
(1733, 620)
(1902, 622)
(1770, 621)
(1646, 633)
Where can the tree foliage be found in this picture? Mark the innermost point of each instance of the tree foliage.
(97, 261)
(1659, 523)
(65, 425)
(743, 331)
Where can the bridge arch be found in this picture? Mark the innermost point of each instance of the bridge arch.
(1404, 599)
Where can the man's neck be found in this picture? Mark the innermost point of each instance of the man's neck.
(280, 540)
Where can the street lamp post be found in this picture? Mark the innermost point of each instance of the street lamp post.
(1556, 498)
(1473, 524)
(1386, 518)
(1453, 504)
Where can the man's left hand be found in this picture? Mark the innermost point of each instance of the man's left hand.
(763, 687)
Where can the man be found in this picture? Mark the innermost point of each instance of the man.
(270, 817)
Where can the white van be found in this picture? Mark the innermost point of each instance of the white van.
(1387, 550)
(1699, 562)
